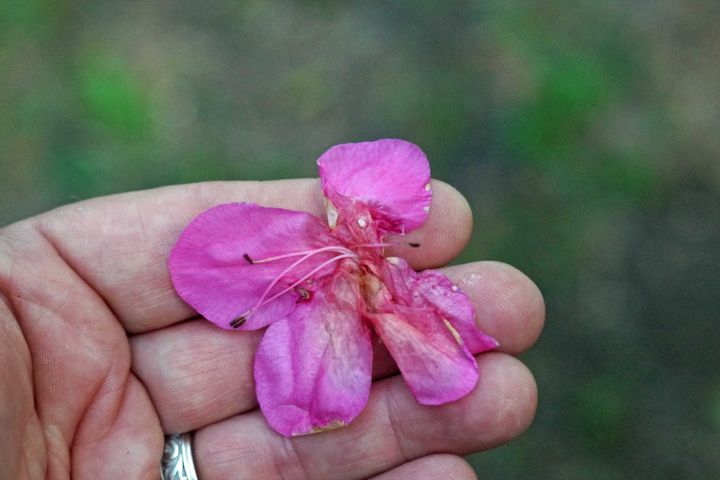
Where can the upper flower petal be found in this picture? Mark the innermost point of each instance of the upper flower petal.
(391, 176)
(434, 363)
(313, 369)
(212, 265)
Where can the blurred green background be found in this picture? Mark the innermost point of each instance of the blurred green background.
(584, 134)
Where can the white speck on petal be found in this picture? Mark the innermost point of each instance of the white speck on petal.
(362, 223)
(426, 208)
(427, 187)
(393, 260)
(454, 288)
(332, 214)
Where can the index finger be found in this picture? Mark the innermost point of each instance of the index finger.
(119, 244)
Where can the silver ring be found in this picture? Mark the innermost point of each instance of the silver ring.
(177, 462)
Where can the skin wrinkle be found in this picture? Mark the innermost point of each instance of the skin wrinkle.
(193, 402)
(106, 382)
(130, 437)
(390, 406)
(59, 463)
(109, 384)
(152, 356)
(30, 458)
(291, 451)
(56, 442)
(98, 388)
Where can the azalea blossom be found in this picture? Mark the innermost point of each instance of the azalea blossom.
(324, 289)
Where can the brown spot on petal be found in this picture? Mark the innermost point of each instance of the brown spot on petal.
(329, 426)
(304, 293)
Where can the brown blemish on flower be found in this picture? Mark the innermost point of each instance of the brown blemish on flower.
(330, 426)
(370, 286)
(304, 294)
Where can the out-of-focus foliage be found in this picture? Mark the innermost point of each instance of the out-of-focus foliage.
(584, 134)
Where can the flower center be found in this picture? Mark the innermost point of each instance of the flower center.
(304, 255)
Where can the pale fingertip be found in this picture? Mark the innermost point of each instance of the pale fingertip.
(515, 402)
(508, 305)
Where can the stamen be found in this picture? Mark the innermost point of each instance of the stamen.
(374, 245)
(238, 322)
(248, 259)
(308, 275)
(344, 253)
(331, 248)
(288, 269)
(414, 244)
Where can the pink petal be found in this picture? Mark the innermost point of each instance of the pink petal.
(432, 289)
(456, 307)
(210, 271)
(313, 369)
(391, 176)
(435, 365)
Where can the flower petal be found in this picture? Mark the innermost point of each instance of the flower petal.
(391, 176)
(456, 307)
(432, 289)
(434, 363)
(212, 265)
(313, 369)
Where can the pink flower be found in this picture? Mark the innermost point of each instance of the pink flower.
(323, 289)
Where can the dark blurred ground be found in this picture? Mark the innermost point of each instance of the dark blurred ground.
(584, 134)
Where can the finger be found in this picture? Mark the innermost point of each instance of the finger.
(442, 237)
(198, 374)
(508, 305)
(119, 244)
(129, 448)
(432, 467)
(392, 430)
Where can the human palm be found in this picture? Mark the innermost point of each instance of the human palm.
(100, 357)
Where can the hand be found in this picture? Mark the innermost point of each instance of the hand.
(100, 357)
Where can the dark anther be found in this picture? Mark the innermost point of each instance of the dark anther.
(413, 244)
(304, 294)
(248, 259)
(238, 322)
